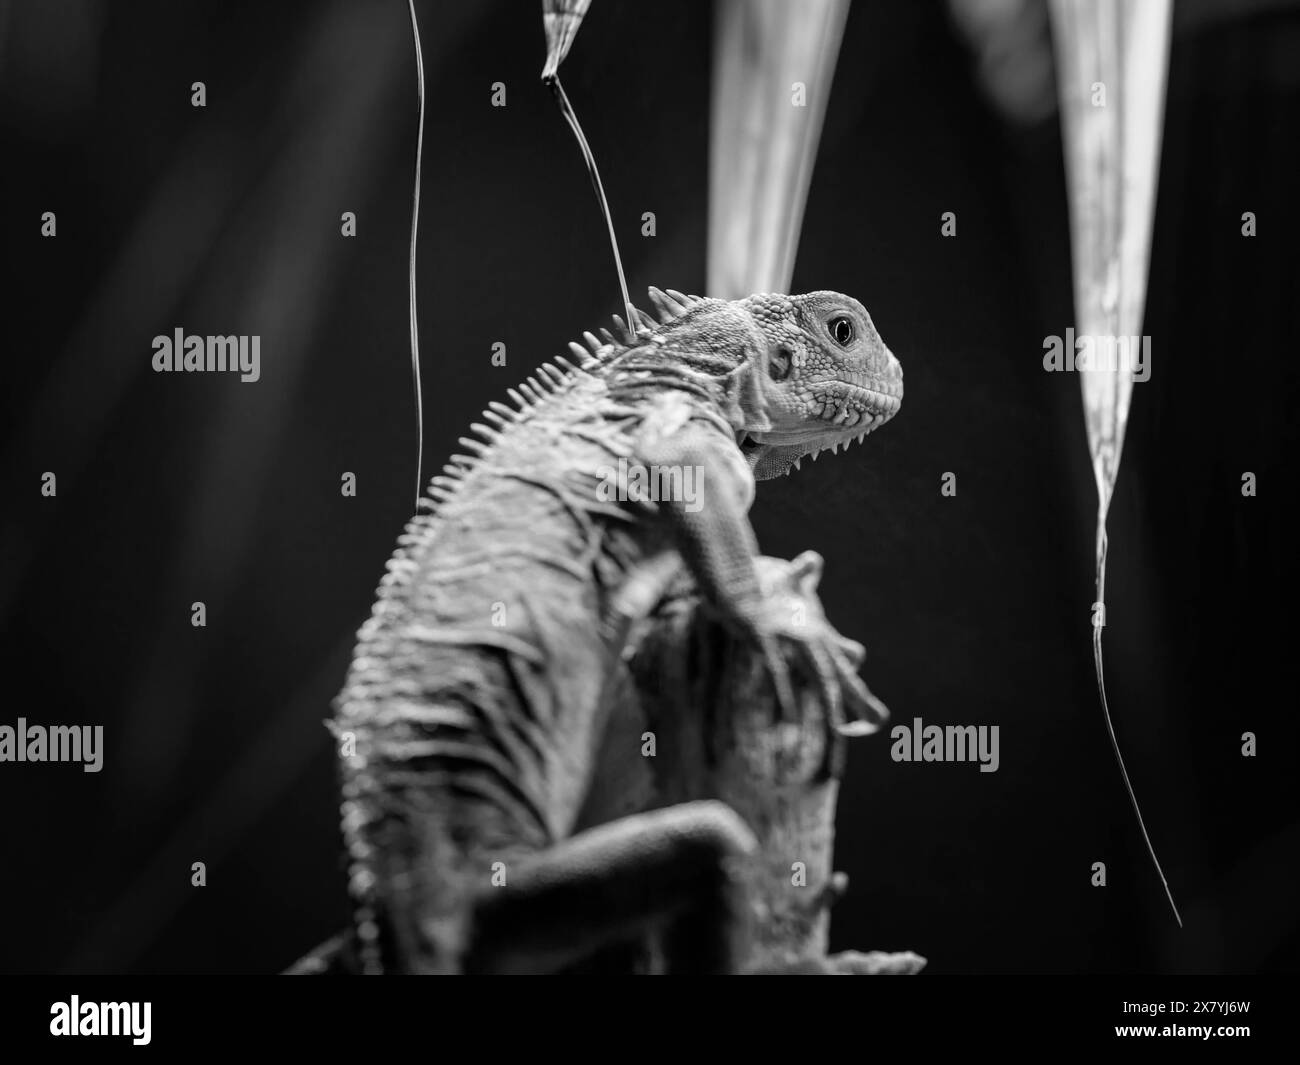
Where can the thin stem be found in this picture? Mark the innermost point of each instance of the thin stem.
(1105, 709)
(415, 225)
(566, 109)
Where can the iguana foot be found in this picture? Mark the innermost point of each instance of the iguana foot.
(792, 632)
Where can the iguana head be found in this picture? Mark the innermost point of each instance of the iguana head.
(802, 374)
(827, 379)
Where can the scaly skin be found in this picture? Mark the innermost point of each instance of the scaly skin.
(479, 688)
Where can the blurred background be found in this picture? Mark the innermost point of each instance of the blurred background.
(975, 609)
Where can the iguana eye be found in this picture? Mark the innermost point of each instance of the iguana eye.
(842, 331)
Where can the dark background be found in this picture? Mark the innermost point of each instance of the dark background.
(975, 609)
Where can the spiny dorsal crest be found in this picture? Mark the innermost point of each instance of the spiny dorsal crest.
(548, 380)
(670, 305)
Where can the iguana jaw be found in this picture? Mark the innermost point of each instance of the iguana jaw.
(774, 454)
(836, 426)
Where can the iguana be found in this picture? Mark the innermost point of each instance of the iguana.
(480, 685)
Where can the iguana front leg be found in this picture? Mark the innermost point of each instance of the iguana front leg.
(718, 544)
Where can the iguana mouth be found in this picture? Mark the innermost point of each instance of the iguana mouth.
(841, 425)
(846, 411)
(848, 399)
(760, 440)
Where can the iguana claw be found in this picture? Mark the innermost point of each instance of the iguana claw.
(792, 632)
